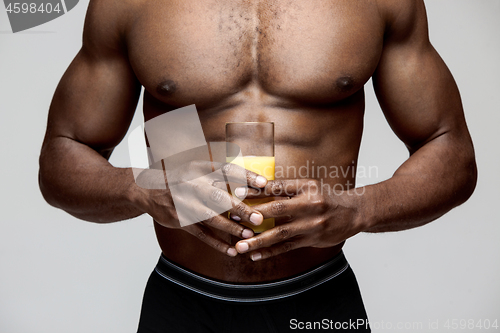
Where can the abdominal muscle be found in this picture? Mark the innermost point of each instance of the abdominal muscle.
(304, 137)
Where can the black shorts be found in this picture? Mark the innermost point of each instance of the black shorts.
(323, 299)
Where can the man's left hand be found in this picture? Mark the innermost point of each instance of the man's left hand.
(314, 218)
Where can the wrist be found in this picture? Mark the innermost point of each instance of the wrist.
(357, 201)
(136, 195)
(371, 208)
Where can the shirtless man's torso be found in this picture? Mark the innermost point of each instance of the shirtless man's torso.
(301, 65)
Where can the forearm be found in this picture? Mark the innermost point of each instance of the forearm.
(77, 179)
(436, 178)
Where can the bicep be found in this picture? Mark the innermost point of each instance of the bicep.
(415, 89)
(94, 102)
(96, 98)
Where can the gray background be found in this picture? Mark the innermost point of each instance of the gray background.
(59, 274)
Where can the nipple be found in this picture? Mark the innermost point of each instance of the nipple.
(166, 88)
(345, 83)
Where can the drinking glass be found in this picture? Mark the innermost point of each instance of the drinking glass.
(251, 146)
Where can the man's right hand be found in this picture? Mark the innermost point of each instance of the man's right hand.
(200, 201)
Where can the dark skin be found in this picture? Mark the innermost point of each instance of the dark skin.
(300, 64)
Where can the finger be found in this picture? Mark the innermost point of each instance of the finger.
(216, 199)
(207, 236)
(277, 249)
(237, 174)
(207, 195)
(198, 212)
(271, 237)
(221, 185)
(222, 223)
(244, 213)
(221, 201)
(198, 201)
(294, 207)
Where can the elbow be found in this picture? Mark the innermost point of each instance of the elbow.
(45, 189)
(469, 179)
(47, 181)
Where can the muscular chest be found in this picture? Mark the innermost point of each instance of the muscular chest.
(192, 51)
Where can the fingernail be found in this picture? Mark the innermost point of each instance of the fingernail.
(256, 256)
(232, 252)
(256, 218)
(247, 233)
(236, 218)
(242, 247)
(240, 192)
(261, 181)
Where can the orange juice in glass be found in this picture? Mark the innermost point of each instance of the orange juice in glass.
(251, 145)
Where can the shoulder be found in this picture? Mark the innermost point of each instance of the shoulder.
(403, 18)
(107, 22)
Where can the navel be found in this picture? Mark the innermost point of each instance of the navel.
(166, 88)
